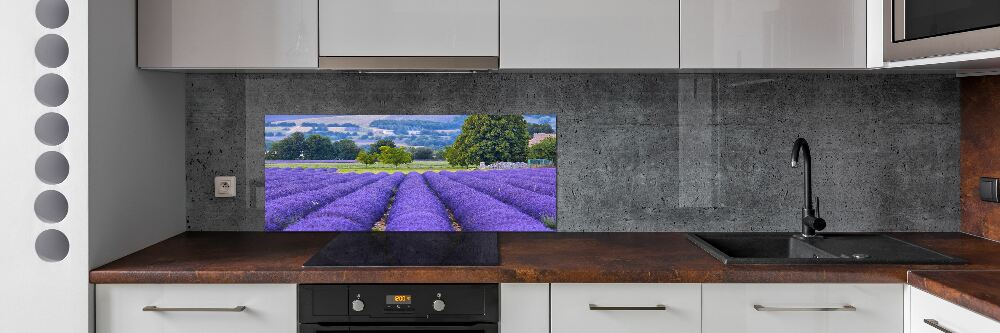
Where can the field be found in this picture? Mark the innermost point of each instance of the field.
(354, 167)
(321, 199)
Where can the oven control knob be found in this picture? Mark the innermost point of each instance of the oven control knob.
(438, 305)
(358, 305)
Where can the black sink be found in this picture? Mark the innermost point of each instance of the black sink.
(836, 248)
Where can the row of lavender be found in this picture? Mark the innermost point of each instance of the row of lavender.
(495, 200)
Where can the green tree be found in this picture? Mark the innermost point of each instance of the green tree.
(345, 149)
(374, 148)
(455, 156)
(543, 149)
(394, 156)
(366, 158)
(421, 153)
(289, 148)
(317, 147)
(540, 128)
(490, 139)
(439, 154)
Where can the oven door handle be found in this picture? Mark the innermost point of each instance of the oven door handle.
(482, 327)
(485, 328)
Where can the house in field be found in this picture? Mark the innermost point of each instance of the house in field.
(538, 137)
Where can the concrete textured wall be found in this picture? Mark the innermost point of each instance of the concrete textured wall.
(637, 152)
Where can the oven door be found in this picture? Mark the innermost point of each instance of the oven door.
(916, 29)
(469, 328)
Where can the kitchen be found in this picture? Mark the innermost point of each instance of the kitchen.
(148, 176)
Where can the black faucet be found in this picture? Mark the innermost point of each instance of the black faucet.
(810, 221)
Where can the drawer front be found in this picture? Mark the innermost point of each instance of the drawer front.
(430, 28)
(269, 308)
(633, 308)
(947, 316)
(803, 308)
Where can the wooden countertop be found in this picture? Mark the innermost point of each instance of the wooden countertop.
(256, 257)
(978, 291)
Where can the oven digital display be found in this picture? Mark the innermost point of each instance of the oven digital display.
(398, 299)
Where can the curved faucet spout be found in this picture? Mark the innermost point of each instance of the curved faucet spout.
(802, 146)
(810, 222)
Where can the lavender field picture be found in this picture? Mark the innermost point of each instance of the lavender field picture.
(410, 173)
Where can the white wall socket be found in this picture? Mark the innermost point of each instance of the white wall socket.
(225, 186)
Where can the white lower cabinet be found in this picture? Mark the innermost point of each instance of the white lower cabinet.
(803, 308)
(186, 308)
(628, 307)
(569, 308)
(524, 307)
(930, 314)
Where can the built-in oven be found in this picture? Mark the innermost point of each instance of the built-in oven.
(916, 29)
(378, 308)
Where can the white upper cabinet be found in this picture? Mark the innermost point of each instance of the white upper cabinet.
(409, 28)
(779, 34)
(227, 34)
(589, 34)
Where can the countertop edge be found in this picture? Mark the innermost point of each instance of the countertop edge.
(940, 284)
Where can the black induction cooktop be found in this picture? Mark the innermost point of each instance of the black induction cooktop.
(409, 249)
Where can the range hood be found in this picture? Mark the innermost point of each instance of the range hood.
(409, 35)
(410, 64)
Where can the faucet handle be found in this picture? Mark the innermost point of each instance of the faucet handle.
(817, 206)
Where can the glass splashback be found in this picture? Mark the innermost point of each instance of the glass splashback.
(443, 173)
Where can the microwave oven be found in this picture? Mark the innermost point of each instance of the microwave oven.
(915, 29)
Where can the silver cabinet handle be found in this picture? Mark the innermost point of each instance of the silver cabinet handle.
(934, 323)
(159, 309)
(595, 307)
(769, 308)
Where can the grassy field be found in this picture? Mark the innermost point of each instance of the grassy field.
(418, 166)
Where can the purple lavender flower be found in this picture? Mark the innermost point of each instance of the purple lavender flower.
(417, 208)
(288, 183)
(518, 181)
(281, 212)
(539, 206)
(476, 211)
(357, 211)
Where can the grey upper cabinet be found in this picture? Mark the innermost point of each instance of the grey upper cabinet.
(589, 34)
(220, 34)
(755, 34)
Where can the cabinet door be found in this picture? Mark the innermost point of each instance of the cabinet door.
(270, 308)
(627, 307)
(577, 34)
(773, 34)
(524, 307)
(227, 34)
(803, 308)
(425, 28)
(927, 310)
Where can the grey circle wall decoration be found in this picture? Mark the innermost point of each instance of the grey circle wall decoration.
(52, 13)
(52, 245)
(52, 167)
(51, 51)
(51, 90)
(51, 206)
(51, 129)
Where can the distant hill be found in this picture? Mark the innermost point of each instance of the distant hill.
(432, 131)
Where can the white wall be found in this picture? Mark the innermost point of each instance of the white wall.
(38, 295)
(137, 186)
(138, 131)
